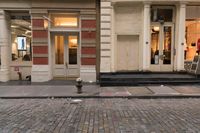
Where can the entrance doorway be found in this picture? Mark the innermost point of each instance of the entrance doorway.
(162, 46)
(66, 55)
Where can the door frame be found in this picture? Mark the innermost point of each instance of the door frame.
(162, 67)
(66, 67)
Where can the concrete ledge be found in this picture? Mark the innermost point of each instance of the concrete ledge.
(40, 73)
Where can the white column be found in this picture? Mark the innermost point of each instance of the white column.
(113, 42)
(5, 46)
(181, 36)
(146, 37)
(106, 37)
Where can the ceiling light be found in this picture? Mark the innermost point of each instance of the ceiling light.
(14, 26)
(156, 28)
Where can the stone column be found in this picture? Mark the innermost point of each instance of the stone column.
(88, 45)
(41, 68)
(5, 42)
(180, 35)
(146, 37)
(113, 38)
(106, 38)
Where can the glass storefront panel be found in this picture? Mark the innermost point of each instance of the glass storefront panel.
(59, 50)
(21, 38)
(192, 32)
(192, 38)
(167, 42)
(155, 33)
(73, 45)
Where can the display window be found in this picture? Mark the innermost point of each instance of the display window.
(192, 39)
(21, 38)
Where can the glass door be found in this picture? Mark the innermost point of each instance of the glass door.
(72, 60)
(161, 47)
(66, 57)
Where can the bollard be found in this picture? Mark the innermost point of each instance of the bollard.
(79, 85)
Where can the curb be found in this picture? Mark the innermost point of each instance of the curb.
(101, 97)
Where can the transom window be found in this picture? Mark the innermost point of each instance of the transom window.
(65, 20)
(162, 14)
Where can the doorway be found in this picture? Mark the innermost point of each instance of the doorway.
(66, 55)
(162, 47)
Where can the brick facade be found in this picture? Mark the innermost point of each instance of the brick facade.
(88, 34)
(39, 33)
(40, 49)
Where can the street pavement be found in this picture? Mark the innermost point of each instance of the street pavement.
(95, 91)
(100, 115)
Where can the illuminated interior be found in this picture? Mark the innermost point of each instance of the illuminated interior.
(191, 38)
(73, 42)
(65, 21)
(59, 49)
(73, 45)
(21, 36)
(155, 33)
(161, 46)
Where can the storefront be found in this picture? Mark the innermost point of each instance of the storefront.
(148, 35)
(48, 40)
(192, 37)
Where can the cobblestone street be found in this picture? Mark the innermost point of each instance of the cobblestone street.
(100, 116)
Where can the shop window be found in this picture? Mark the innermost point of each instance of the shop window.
(192, 38)
(21, 38)
(161, 15)
(65, 20)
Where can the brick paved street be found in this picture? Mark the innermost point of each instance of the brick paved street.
(100, 116)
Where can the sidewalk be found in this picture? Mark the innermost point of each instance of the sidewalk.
(95, 91)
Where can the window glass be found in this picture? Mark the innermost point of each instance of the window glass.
(167, 44)
(155, 33)
(165, 15)
(59, 49)
(192, 39)
(21, 38)
(73, 45)
(65, 21)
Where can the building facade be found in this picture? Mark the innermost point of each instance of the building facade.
(148, 35)
(51, 39)
(57, 39)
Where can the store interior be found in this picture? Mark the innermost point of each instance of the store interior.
(21, 38)
(192, 38)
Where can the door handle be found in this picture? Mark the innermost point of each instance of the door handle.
(162, 57)
(66, 64)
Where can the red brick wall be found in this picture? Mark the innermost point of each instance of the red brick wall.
(38, 22)
(88, 24)
(88, 61)
(40, 49)
(39, 33)
(88, 50)
(88, 34)
(40, 60)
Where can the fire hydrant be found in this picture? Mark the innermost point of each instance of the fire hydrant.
(79, 85)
